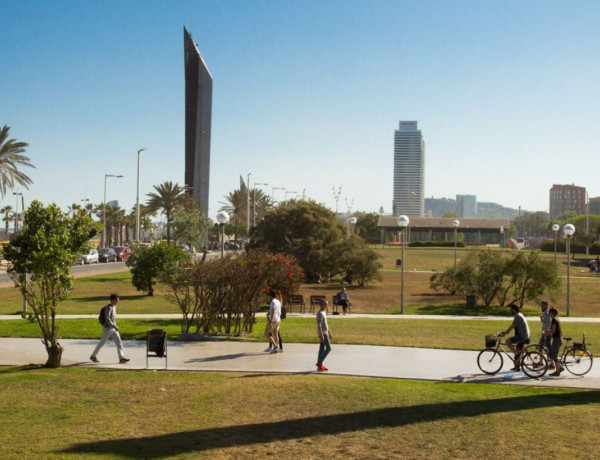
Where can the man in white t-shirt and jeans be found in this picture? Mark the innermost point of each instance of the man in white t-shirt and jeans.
(275, 320)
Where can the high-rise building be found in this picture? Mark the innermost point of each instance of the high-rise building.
(409, 170)
(198, 119)
(566, 198)
(594, 205)
(466, 206)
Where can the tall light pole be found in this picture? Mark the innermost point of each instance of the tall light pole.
(288, 191)
(568, 230)
(273, 191)
(104, 207)
(222, 219)
(555, 229)
(17, 194)
(455, 224)
(137, 199)
(254, 203)
(248, 207)
(402, 222)
(84, 202)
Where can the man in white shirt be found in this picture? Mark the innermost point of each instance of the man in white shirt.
(275, 319)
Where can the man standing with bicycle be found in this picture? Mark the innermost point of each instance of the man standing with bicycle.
(519, 324)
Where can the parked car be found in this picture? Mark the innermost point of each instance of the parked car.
(107, 255)
(90, 257)
(123, 253)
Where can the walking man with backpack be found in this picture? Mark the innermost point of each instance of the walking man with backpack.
(108, 319)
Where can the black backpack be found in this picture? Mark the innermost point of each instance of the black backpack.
(102, 315)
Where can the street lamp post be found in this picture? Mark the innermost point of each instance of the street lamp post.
(104, 207)
(455, 224)
(402, 222)
(352, 221)
(85, 201)
(254, 203)
(273, 191)
(568, 230)
(137, 199)
(222, 219)
(17, 194)
(555, 229)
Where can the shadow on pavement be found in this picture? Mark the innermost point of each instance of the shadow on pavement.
(242, 435)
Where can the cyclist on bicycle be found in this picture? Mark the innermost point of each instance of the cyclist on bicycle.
(519, 324)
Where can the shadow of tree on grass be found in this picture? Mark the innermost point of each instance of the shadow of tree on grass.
(244, 435)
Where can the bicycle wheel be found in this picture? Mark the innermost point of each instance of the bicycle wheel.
(490, 361)
(534, 364)
(578, 361)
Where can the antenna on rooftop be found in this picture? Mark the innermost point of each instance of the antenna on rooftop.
(349, 206)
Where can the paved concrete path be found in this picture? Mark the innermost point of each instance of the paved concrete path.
(222, 355)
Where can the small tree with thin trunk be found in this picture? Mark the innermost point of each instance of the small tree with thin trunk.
(40, 259)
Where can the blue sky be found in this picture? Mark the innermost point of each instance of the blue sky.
(307, 95)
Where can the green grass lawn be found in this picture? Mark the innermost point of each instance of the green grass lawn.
(87, 413)
(91, 293)
(421, 333)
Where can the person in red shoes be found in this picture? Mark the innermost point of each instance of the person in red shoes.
(324, 334)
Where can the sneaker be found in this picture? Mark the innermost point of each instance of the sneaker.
(274, 350)
(554, 374)
(94, 359)
(124, 360)
(280, 350)
(268, 350)
(323, 368)
(516, 368)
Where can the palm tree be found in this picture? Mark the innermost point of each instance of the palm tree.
(11, 157)
(260, 205)
(235, 206)
(74, 209)
(167, 198)
(7, 211)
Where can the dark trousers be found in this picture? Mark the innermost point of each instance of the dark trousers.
(324, 349)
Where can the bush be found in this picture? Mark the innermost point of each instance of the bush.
(147, 264)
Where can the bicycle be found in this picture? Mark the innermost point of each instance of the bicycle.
(575, 358)
(533, 363)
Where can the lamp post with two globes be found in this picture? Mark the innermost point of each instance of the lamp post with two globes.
(568, 231)
(402, 222)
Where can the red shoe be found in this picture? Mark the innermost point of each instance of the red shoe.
(323, 368)
(320, 367)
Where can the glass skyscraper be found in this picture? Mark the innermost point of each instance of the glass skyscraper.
(198, 119)
(409, 170)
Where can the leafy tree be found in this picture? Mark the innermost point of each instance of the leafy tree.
(40, 259)
(355, 255)
(190, 224)
(147, 263)
(494, 275)
(222, 296)
(167, 198)
(305, 229)
(11, 157)
(316, 238)
(366, 227)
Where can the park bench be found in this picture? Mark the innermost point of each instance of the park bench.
(315, 301)
(296, 299)
(335, 304)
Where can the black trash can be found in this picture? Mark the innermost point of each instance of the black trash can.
(471, 301)
(156, 344)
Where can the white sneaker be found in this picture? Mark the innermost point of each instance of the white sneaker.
(275, 350)
(279, 350)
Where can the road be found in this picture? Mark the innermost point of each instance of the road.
(79, 271)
